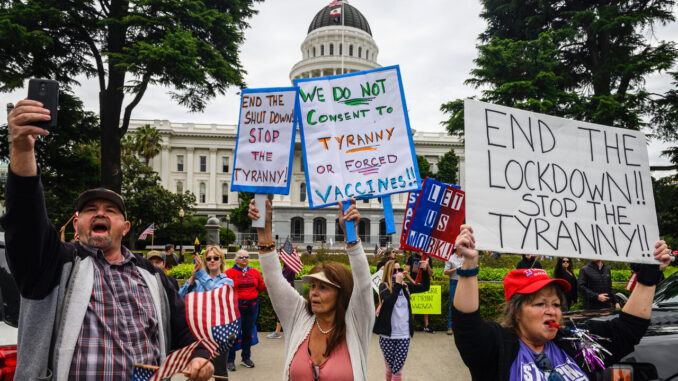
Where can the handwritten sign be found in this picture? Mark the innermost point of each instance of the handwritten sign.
(265, 143)
(540, 184)
(427, 302)
(356, 137)
(436, 219)
(375, 280)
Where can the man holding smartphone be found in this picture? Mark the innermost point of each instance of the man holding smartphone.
(91, 309)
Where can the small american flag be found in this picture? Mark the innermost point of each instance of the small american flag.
(213, 317)
(147, 232)
(142, 374)
(335, 3)
(291, 258)
(378, 251)
(633, 280)
(175, 362)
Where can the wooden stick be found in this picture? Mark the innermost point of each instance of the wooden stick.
(69, 220)
(144, 366)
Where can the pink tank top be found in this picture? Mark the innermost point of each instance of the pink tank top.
(337, 367)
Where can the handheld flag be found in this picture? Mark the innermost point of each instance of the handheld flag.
(142, 374)
(147, 232)
(291, 257)
(213, 317)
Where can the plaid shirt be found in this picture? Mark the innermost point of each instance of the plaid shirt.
(120, 326)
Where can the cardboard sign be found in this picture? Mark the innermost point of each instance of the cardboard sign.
(412, 198)
(436, 220)
(375, 280)
(540, 184)
(355, 135)
(264, 146)
(427, 302)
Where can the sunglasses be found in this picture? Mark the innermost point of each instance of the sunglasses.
(399, 270)
(566, 261)
(244, 257)
(544, 364)
(210, 259)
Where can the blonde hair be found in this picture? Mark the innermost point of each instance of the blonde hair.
(387, 278)
(218, 252)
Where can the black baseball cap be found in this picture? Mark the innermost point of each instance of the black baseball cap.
(101, 194)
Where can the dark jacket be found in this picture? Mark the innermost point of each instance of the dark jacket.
(592, 282)
(489, 350)
(47, 272)
(382, 325)
(531, 263)
(572, 295)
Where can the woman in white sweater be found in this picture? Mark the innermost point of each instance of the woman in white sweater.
(330, 331)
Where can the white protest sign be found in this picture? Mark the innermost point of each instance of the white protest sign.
(375, 280)
(356, 136)
(540, 184)
(265, 143)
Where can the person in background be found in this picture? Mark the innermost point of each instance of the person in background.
(451, 267)
(248, 285)
(565, 270)
(389, 255)
(411, 270)
(395, 323)
(209, 275)
(595, 286)
(327, 334)
(171, 258)
(158, 261)
(288, 274)
(529, 261)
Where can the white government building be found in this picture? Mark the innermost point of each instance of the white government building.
(199, 157)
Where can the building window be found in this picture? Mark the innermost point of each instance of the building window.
(338, 234)
(203, 193)
(224, 164)
(180, 187)
(341, 49)
(322, 50)
(224, 193)
(367, 54)
(366, 201)
(331, 49)
(203, 163)
(301, 165)
(383, 237)
(180, 163)
(364, 229)
(302, 192)
(360, 51)
(319, 229)
(297, 229)
(314, 51)
(350, 50)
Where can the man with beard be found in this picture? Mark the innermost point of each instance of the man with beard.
(90, 309)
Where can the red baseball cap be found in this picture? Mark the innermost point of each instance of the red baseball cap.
(527, 281)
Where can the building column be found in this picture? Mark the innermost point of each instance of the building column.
(165, 165)
(374, 229)
(189, 171)
(461, 165)
(331, 227)
(212, 188)
(308, 230)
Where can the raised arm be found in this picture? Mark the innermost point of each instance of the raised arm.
(466, 296)
(640, 301)
(284, 298)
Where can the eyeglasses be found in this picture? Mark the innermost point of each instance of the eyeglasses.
(399, 270)
(210, 259)
(566, 261)
(244, 257)
(544, 364)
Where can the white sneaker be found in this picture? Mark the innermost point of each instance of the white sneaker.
(274, 336)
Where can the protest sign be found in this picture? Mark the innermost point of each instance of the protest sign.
(540, 184)
(356, 137)
(375, 280)
(265, 143)
(426, 302)
(436, 219)
(412, 198)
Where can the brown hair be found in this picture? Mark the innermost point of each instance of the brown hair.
(219, 253)
(340, 274)
(513, 308)
(388, 274)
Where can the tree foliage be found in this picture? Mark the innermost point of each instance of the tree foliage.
(239, 216)
(424, 167)
(448, 165)
(191, 47)
(666, 201)
(147, 142)
(586, 60)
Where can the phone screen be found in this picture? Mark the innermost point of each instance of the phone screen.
(45, 91)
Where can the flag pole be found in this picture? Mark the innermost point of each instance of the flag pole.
(69, 220)
(152, 235)
(153, 367)
(343, 45)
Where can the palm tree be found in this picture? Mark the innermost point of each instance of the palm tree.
(147, 142)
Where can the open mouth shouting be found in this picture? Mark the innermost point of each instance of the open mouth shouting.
(99, 227)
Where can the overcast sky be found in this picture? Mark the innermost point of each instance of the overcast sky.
(434, 42)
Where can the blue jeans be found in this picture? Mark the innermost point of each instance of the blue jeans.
(249, 310)
(453, 290)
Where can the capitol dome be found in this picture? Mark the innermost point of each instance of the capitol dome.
(331, 48)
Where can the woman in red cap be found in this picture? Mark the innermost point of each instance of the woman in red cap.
(528, 344)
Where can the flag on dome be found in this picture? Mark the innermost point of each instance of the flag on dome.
(291, 257)
(213, 318)
(335, 12)
(335, 3)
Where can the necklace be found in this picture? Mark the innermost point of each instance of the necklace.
(321, 330)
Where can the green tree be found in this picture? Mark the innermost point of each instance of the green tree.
(666, 202)
(68, 158)
(191, 47)
(586, 60)
(239, 216)
(424, 167)
(447, 168)
(147, 142)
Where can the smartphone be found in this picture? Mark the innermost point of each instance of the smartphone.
(45, 91)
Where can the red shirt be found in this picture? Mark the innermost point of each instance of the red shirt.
(248, 282)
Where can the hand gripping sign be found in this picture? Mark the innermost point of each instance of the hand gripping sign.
(356, 137)
(265, 143)
(540, 184)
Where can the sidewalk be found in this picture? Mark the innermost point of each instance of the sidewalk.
(431, 357)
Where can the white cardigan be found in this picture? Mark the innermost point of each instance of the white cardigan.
(297, 322)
